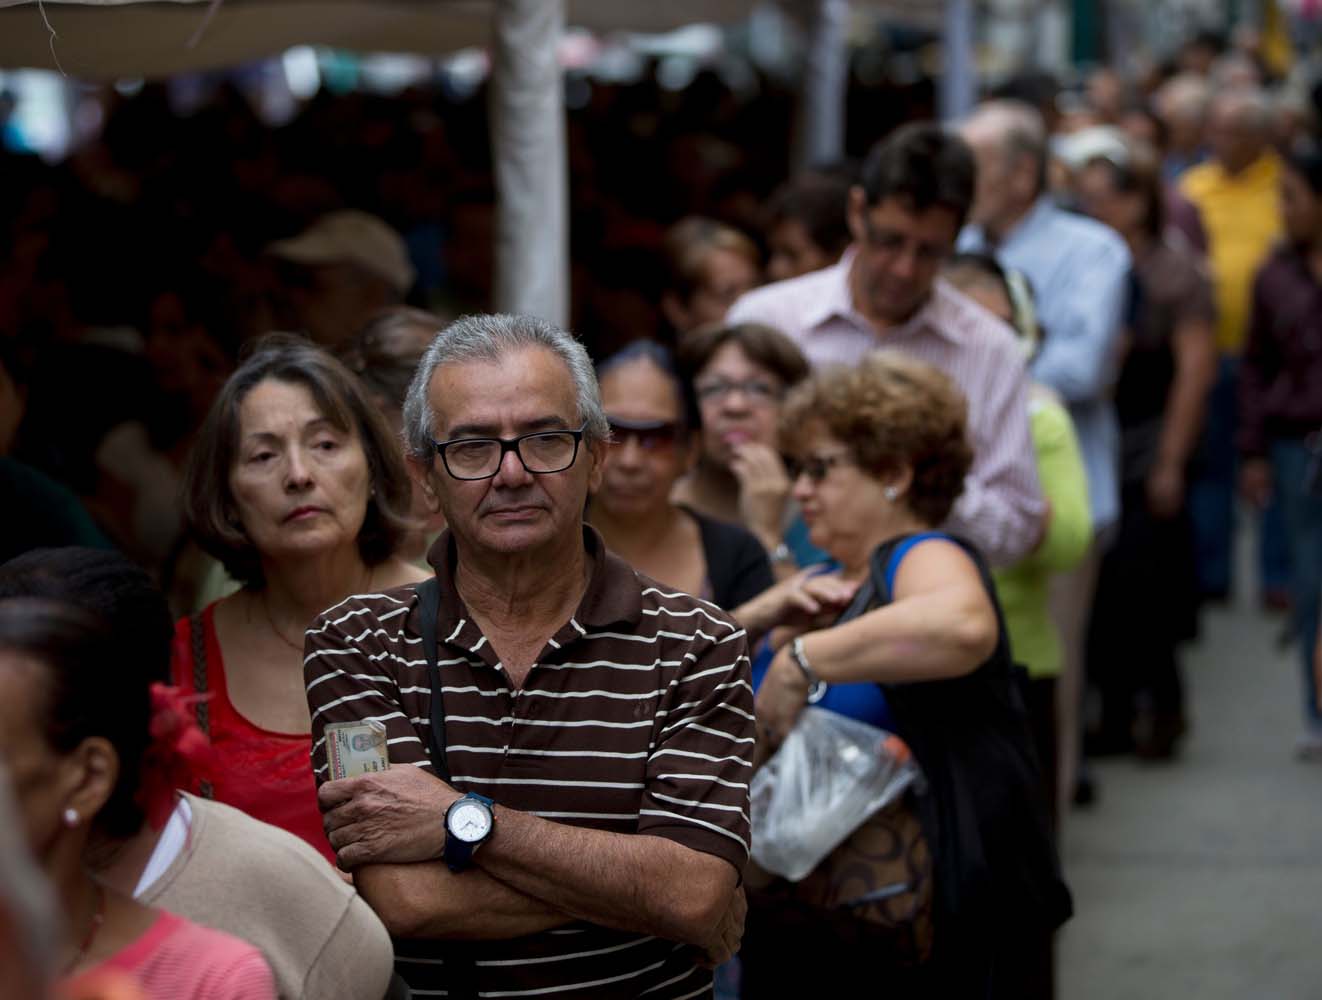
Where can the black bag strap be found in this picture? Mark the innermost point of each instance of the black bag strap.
(429, 605)
(460, 969)
(197, 637)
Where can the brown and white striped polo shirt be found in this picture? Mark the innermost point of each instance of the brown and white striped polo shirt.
(636, 718)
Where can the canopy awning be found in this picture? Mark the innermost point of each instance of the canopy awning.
(107, 39)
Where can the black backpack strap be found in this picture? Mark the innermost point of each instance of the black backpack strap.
(197, 637)
(429, 605)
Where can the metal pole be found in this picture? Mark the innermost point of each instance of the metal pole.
(530, 160)
(821, 126)
(959, 82)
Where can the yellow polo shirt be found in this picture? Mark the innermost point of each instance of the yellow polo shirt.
(1242, 216)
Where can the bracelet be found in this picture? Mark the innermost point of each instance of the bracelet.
(782, 556)
(816, 686)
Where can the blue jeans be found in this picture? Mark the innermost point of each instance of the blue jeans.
(1303, 525)
(1212, 499)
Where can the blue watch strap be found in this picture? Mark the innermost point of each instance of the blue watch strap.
(458, 854)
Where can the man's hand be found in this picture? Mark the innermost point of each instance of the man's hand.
(1255, 481)
(727, 934)
(394, 817)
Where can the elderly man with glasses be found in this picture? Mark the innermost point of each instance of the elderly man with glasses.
(566, 808)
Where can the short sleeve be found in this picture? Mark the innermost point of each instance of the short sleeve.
(701, 761)
(356, 961)
(248, 977)
(353, 662)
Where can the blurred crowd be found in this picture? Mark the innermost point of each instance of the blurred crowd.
(1100, 314)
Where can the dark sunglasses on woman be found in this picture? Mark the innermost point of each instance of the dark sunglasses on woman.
(651, 435)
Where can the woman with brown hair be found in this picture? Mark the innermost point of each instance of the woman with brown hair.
(878, 454)
(297, 486)
(738, 376)
(710, 265)
(651, 446)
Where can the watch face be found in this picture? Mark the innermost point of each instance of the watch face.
(470, 821)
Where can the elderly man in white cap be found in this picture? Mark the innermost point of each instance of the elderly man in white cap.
(345, 267)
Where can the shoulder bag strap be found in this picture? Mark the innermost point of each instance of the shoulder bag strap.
(197, 636)
(429, 603)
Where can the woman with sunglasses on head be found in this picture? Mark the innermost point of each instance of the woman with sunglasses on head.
(879, 453)
(651, 447)
(74, 737)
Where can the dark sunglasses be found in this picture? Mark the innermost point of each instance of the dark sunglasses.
(651, 435)
(815, 467)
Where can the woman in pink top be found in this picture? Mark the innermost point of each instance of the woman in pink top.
(74, 737)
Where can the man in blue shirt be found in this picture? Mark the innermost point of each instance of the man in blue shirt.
(1079, 270)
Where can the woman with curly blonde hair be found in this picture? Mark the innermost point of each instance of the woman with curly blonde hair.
(877, 454)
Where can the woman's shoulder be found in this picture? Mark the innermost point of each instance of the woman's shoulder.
(937, 550)
(179, 958)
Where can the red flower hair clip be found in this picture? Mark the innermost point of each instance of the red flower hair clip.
(179, 756)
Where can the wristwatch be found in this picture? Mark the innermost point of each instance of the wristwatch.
(468, 823)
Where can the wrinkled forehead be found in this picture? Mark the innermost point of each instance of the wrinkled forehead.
(523, 389)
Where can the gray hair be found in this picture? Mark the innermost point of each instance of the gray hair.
(1019, 129)
(489, 337)
(1184, 96)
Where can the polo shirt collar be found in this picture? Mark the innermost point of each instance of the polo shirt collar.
(613, 595)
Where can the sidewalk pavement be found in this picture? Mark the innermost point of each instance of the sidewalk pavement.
(1203, 877)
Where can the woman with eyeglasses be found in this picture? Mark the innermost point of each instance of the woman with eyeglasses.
(879, 452)
(651, 447)
(296, 485)
(738, 376)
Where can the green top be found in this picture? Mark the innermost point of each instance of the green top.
(1022, 588)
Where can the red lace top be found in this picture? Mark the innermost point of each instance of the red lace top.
(266, 774)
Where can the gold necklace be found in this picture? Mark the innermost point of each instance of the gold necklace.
(270, 620)
(266, 607)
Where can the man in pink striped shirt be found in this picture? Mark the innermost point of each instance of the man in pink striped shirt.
(917, 187)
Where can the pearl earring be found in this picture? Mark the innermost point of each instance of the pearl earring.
(71, 817)
(890, 493)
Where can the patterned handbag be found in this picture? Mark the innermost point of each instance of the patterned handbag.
(874, 890)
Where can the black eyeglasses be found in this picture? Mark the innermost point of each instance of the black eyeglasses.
(542, 453)
(651, 435)
(815, 467)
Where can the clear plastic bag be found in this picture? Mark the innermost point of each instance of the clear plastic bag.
(830, 774)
